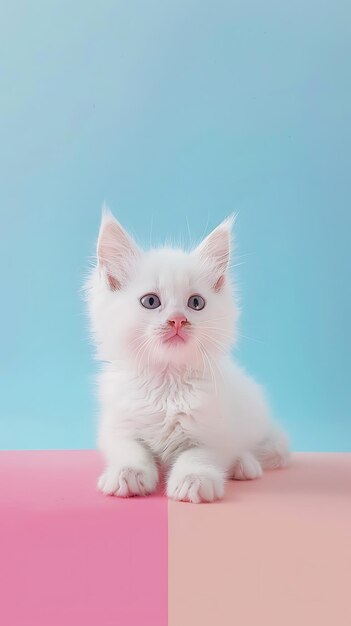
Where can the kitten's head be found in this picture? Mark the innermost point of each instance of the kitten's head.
(162, 306)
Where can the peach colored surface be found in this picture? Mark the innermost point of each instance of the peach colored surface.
(72, 557)
(276, 552)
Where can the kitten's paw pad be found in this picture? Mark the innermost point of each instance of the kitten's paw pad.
(196, 487)
(247, 468)
(128, 481)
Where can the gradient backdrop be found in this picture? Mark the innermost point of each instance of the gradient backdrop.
(176, 111)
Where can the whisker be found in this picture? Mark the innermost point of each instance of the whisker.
(205, 354)
(240, 335)
(141, 351)
(210, 365)
(218, 329)
(218, 344)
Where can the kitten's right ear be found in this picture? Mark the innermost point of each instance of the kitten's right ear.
(215, 249)
(116, 251)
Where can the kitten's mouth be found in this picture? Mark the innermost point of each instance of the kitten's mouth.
(172, 338)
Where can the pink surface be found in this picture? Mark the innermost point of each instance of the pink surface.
(276, 552)
(72, 557)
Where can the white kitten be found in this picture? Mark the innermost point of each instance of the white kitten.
(164, 323)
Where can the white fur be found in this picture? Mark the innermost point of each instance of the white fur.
(189, 406)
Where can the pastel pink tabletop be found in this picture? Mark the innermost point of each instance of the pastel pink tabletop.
(72, 557)
(276, 552)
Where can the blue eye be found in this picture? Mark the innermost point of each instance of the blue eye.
(150, 301)
(196, 302)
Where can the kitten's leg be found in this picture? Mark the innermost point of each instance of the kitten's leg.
(131, 470)
(247, 467)
(273, 451)
(195, 477)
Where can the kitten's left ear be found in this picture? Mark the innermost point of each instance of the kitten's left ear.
(215, 251)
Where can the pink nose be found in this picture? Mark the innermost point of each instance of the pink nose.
(177, 321)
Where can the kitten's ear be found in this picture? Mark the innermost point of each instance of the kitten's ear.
(215, 251)
(116, 251)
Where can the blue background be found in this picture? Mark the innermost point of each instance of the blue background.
(175, 110)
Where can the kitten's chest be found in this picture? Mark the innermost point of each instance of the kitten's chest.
(173, 409)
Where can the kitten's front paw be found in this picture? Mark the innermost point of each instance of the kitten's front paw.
(247, 467)
(128, 481)
(196, 488)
